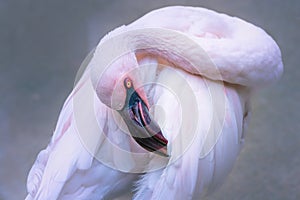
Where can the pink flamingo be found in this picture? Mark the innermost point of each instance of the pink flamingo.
(181, 79)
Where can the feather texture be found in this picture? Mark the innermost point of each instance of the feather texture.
(197, 73)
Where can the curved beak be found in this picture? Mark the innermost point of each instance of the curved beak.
(145, 131)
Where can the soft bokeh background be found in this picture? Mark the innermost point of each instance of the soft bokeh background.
(42, 44)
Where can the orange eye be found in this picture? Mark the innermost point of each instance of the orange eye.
(128, 83)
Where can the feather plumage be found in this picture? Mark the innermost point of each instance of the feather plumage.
(202, 107)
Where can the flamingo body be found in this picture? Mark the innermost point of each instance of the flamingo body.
(201, 106)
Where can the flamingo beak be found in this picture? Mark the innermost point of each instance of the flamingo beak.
(145, 131)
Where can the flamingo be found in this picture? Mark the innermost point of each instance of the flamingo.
(160, 110)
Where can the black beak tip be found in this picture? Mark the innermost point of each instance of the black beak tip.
(154, 144)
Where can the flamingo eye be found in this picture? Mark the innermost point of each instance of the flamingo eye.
(128, 83)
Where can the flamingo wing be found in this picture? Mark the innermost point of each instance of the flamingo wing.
(191, 174)
(67, 169)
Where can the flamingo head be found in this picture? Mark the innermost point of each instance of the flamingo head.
(120, 88)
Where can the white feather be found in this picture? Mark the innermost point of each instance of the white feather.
(189, 175)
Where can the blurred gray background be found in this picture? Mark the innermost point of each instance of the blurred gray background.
(42, 44)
